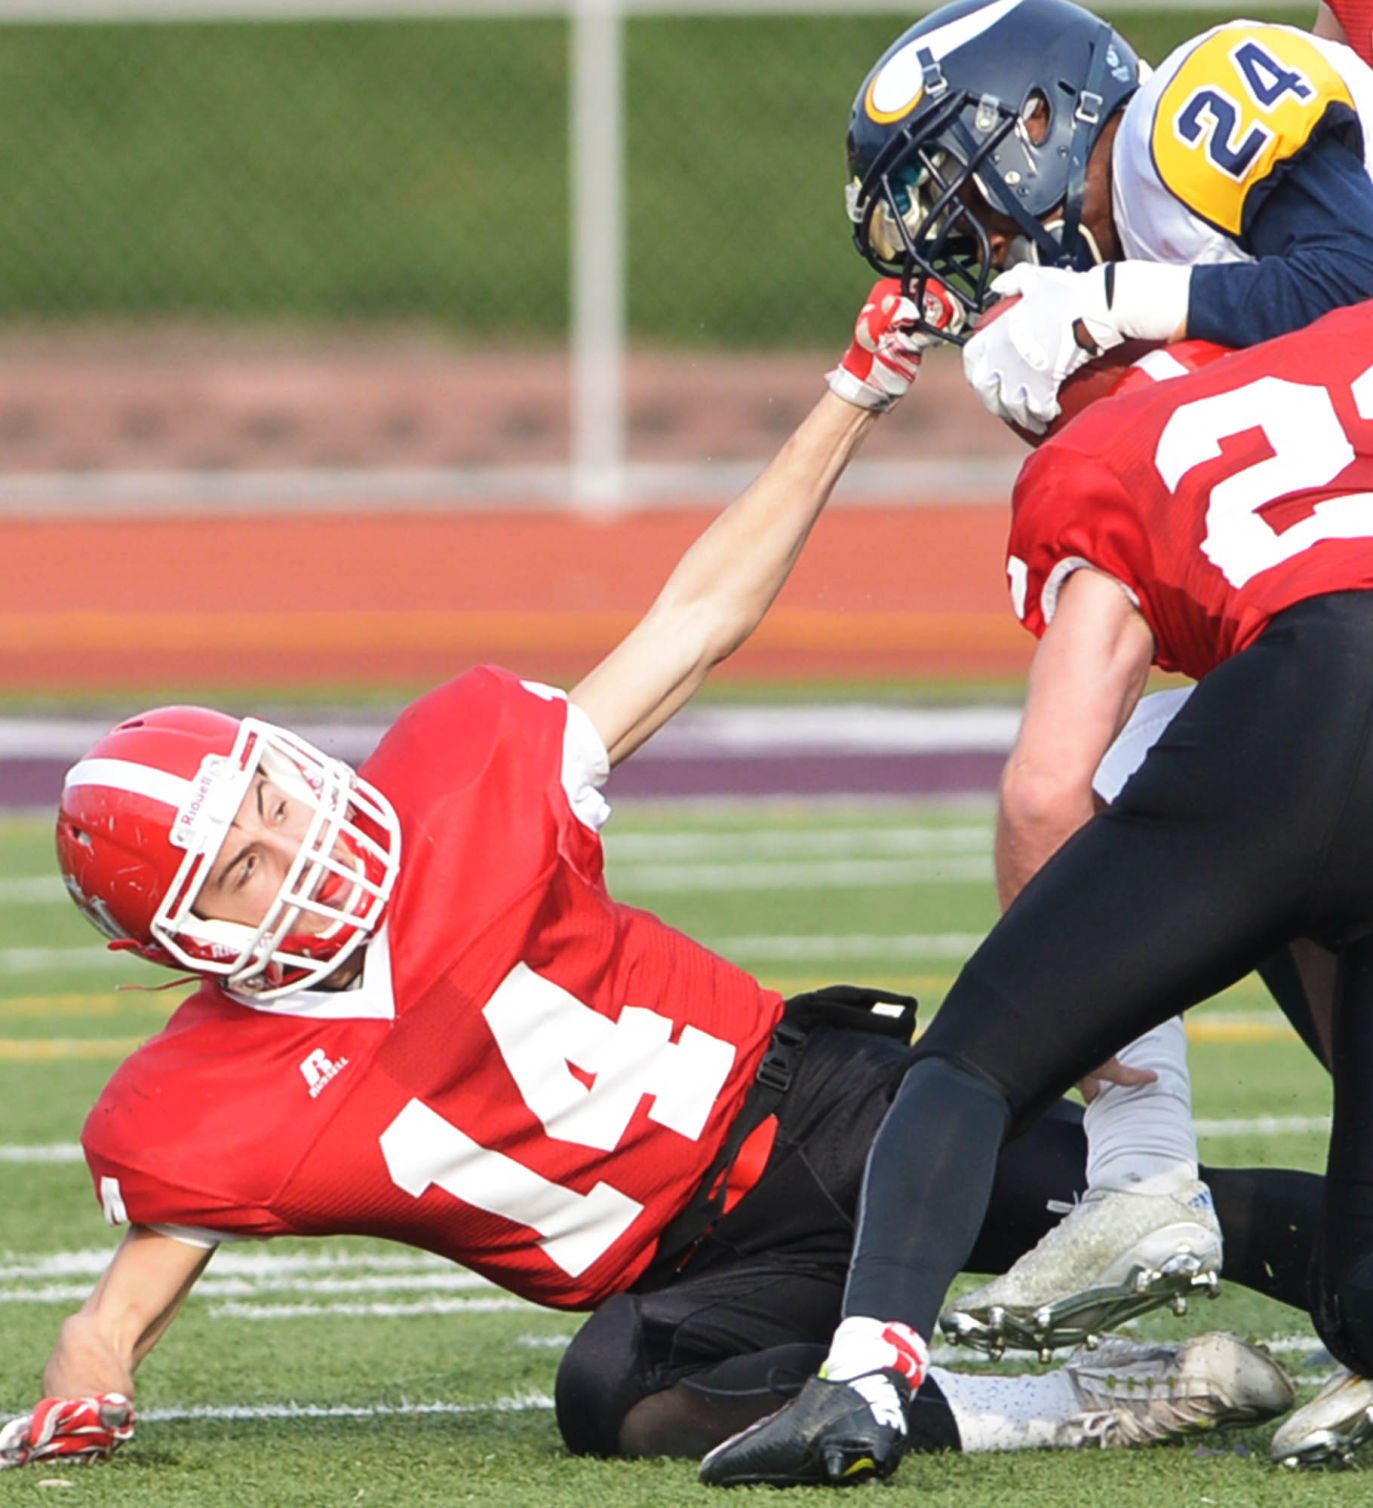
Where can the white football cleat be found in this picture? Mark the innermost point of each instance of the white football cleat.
(1113, 1256)
(1135, 1393)
(1329, 1428)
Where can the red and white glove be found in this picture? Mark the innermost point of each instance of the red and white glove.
(1017, 363)
(72, 1429)
(887, 346)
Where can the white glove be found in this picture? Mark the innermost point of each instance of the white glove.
(1017, 363)
(884, 358)
(74, 1429)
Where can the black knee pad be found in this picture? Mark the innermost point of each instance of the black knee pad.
(600, 1378)
(1343, 1312)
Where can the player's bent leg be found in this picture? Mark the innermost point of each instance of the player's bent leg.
(638, 1378)
(605, 1370)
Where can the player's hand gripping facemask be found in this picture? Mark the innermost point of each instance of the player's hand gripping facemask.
(889, 338)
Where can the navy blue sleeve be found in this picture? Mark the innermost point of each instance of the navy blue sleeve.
(1313, 237)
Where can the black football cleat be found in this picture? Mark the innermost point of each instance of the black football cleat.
(828, 1436)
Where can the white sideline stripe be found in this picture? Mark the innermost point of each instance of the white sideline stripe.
(861, 945)
(828, 841)
(696, 732)
(32, 960)
(1265, 1125)
(521, 1403)
(31, 889)
(256, 1261)
(58, 1151)
(418, 1310)
(230, 1290)
(670, 879)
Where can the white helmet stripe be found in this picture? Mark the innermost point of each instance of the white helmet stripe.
(136, 779)
(897, 86)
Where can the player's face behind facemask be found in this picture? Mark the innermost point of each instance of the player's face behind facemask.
(234, 849)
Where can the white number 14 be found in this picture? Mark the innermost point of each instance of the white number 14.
(543, 1032)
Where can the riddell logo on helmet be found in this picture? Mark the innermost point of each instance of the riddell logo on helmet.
(195, 811)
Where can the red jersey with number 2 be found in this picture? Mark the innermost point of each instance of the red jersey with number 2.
(531, 1079)
(1216, 499)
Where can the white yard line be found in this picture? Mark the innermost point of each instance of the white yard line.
(826, 841)
(420, 1309)
(256, 1260)
(520, 1404)
(673, 879)
(32, 960)
(850, 945)
(29, 889)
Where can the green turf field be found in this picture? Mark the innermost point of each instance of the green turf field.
(354, 1372)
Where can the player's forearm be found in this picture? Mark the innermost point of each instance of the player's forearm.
(1036, 815)
(726, 582)
(87, 1360)
(722, 586)
(100, 1347)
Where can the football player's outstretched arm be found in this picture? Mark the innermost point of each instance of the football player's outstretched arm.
(87, 1410)
(721, 588)
(1086, 676)
(725, 583)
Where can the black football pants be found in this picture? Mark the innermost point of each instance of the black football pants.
(676, 1367)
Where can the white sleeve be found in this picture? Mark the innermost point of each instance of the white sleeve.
(195, 1235)
(586, 768)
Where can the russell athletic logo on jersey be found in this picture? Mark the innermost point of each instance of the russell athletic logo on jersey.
(319, 1070)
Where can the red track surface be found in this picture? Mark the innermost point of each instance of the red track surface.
(409, 598)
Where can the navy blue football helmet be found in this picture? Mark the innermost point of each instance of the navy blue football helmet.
(1009, 96)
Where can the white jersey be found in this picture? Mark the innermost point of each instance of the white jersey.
(1208, 135)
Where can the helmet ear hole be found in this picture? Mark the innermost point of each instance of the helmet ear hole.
(1034, 118)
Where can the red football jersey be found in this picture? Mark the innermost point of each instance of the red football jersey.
(531, 1078)
(1356, 16)
(1216, 499)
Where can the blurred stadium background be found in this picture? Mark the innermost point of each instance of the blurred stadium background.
(517, 286)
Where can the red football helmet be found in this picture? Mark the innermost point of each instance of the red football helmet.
(141, 823)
